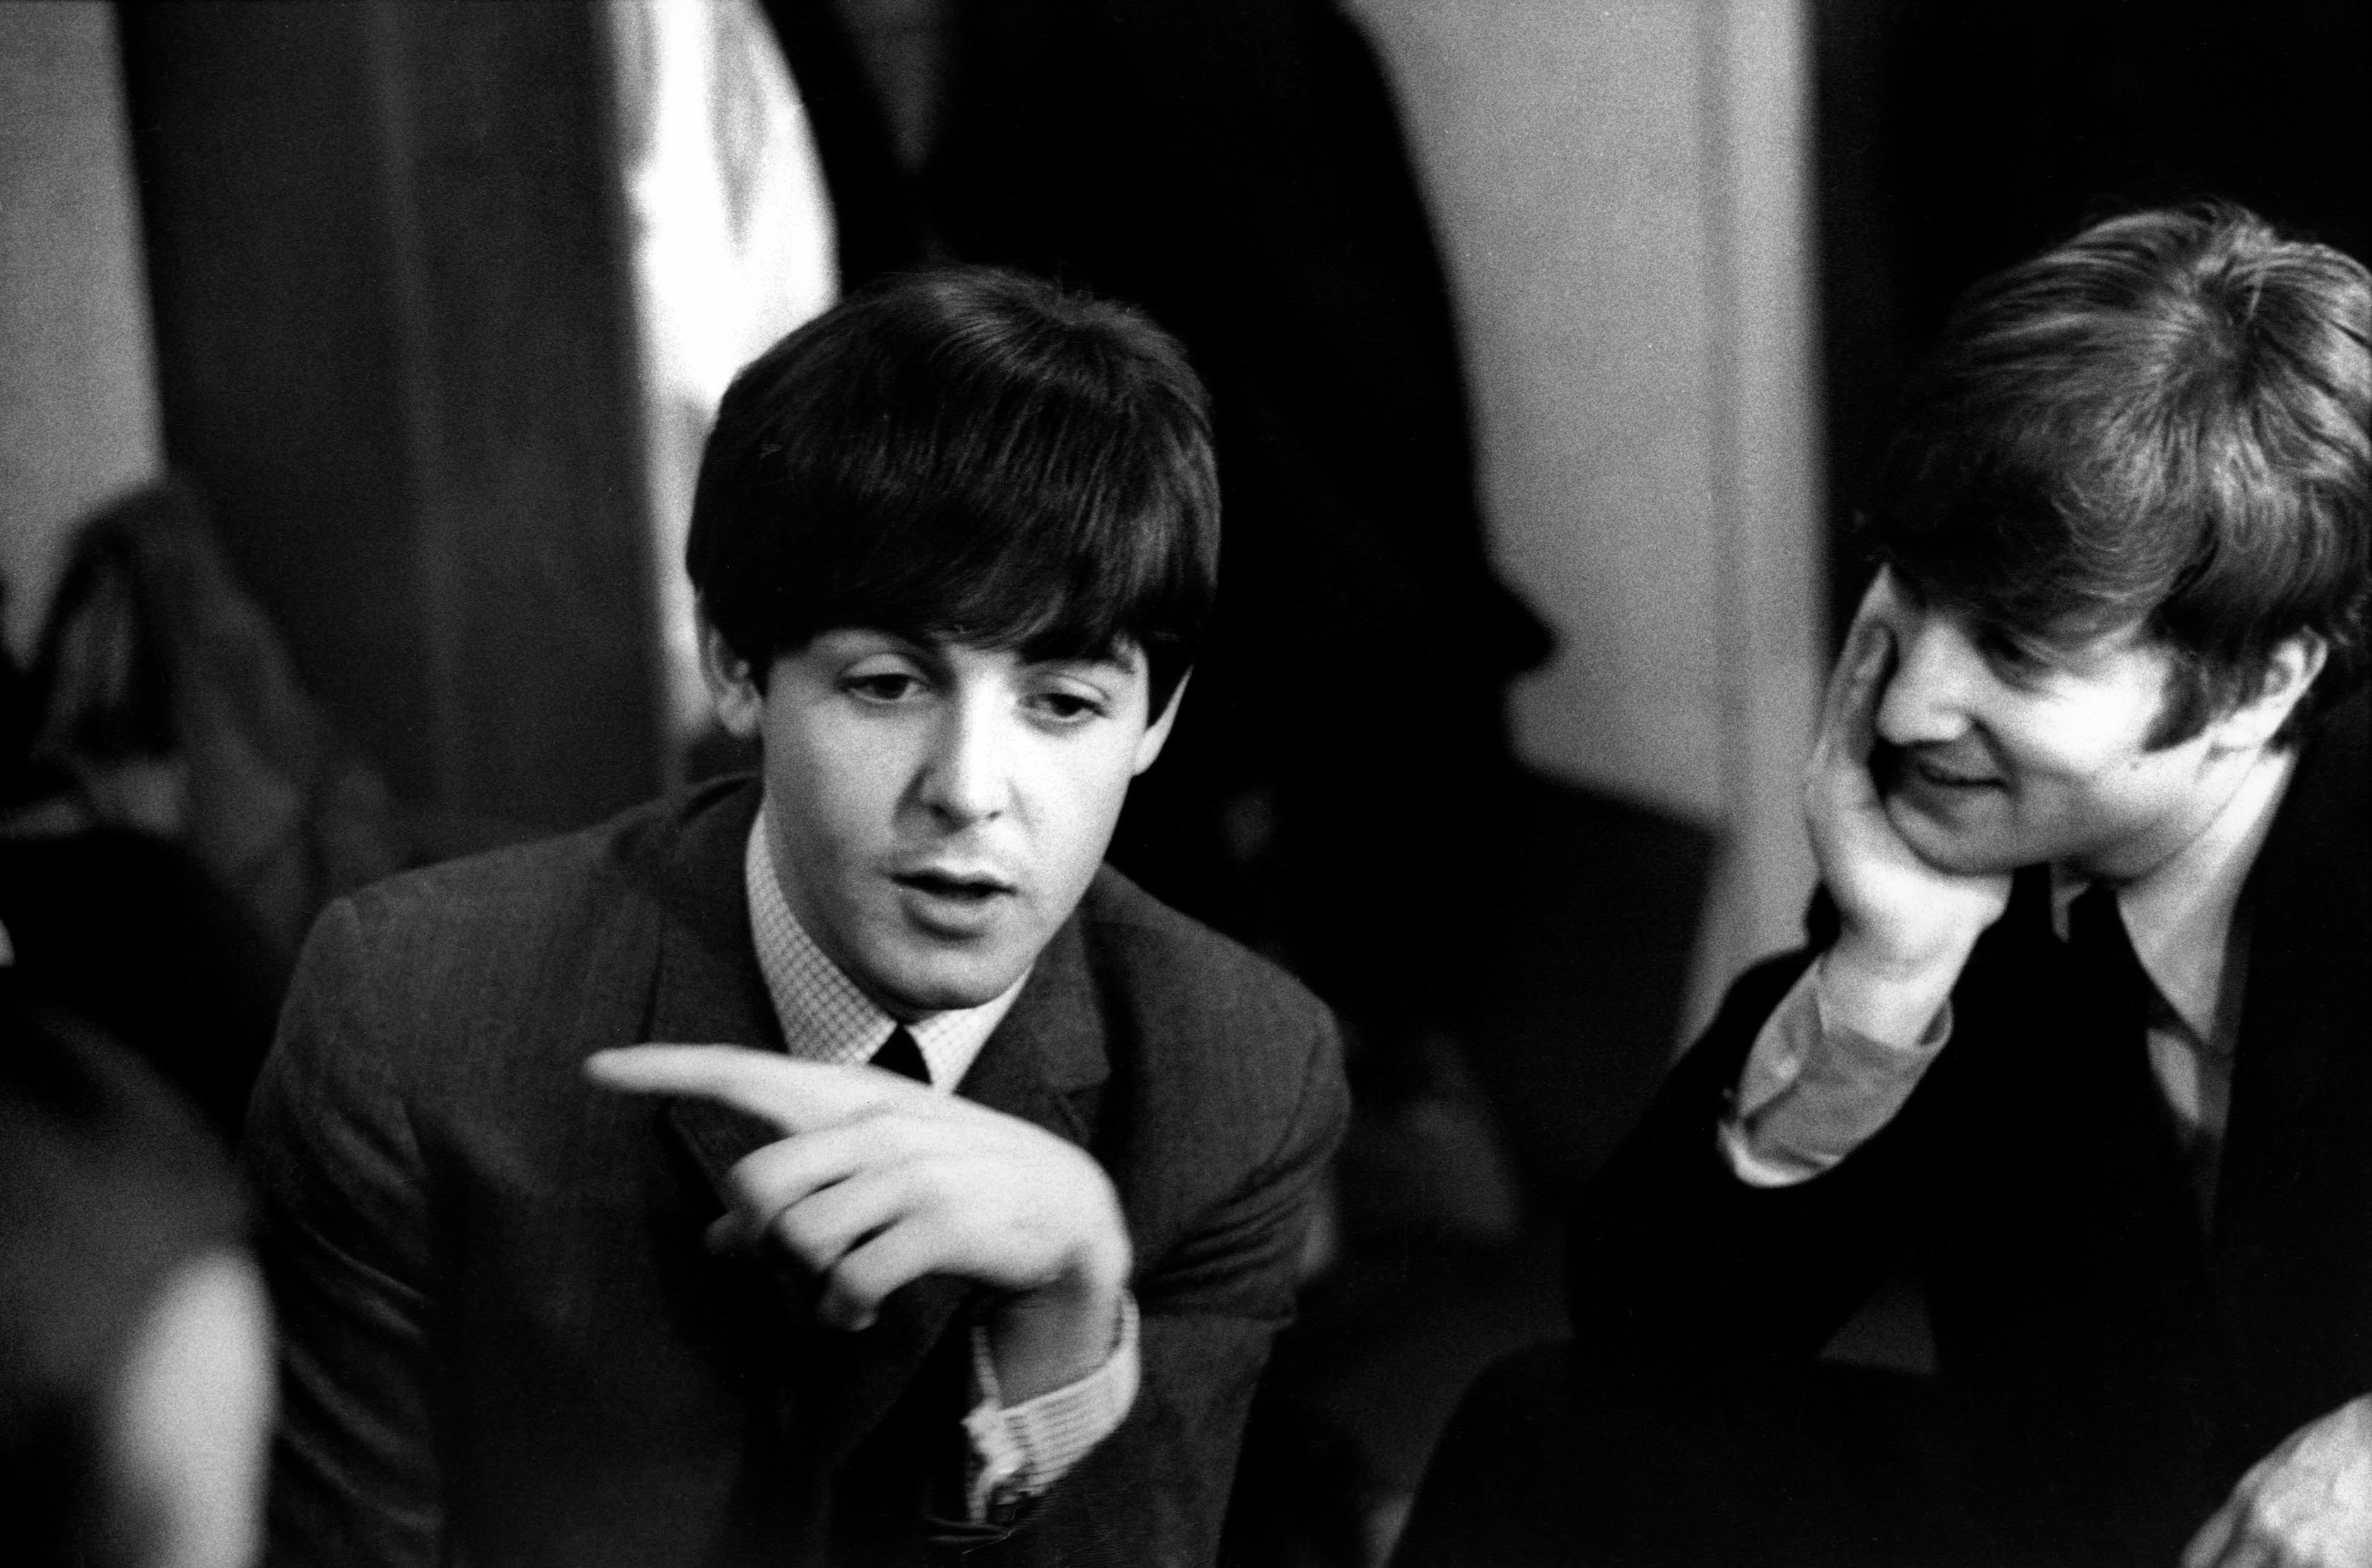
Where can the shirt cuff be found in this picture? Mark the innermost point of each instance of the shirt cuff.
(1813, 1093)
(1020, 1451)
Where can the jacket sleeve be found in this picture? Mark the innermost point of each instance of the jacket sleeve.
(1155, 1493)
(331, 1152)
(1684, 1279)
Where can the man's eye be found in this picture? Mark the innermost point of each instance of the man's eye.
(2013, 658)
(892, 686)
(1067, 707)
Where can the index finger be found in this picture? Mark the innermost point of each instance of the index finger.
(796, 1096)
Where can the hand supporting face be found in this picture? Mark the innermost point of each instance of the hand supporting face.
(879, 1182)
(2307, 1505)
(1907, 926)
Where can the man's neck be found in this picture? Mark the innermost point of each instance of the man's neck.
(825, 1014)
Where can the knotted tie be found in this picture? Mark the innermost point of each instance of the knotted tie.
(901, 1055)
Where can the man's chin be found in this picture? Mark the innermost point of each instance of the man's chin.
(912, 991)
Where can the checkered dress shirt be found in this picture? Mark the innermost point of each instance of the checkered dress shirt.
(1017, 1451)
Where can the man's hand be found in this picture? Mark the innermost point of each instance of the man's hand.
(879, 1182)
(2307, 1505)
(1907, 926)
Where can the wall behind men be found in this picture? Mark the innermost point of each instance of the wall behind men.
(78, 421)
(1621, 191)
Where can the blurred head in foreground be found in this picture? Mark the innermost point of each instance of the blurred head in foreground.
(136, 1364)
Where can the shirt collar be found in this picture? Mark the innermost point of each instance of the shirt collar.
(2180, 915)
(824, 1016)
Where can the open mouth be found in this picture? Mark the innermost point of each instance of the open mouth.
(974, 889)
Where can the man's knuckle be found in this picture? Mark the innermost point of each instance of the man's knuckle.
(800, 1235)
(940, 1198)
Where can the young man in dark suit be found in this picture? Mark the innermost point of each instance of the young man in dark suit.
(2086, 1026)
(838, 1166)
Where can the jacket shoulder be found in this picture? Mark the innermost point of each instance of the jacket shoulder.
(498, 951)
(1218, 1047)
(549, 878)
(1184, 968)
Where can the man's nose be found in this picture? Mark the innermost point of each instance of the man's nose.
(967, 777)
(1936, 673)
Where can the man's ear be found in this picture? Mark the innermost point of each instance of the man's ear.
(740, 706)
(1149, 744)
(2282, 683)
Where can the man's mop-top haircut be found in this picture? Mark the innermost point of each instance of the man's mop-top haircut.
(970, 456)
(2162, 422)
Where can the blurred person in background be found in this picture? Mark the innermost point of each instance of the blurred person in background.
(135, 1357)
(105, 908)
(165, 705)
(174, 809)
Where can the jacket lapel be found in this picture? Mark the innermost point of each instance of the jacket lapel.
(1046, 1062)
(709, 990)
(1044, 1065)
(2295, 1183)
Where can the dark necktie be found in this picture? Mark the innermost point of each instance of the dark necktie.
(2128, 1003)
(2096, 934)
(900, 1054)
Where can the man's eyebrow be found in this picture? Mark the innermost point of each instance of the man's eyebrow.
(872, 641)
(1115, 663)
(1122, 655)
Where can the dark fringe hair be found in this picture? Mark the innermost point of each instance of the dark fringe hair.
(969, 455)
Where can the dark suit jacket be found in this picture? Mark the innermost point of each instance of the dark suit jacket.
(506, 1342)
(2116, 1364)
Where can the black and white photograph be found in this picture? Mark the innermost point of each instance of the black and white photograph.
(1218, 784)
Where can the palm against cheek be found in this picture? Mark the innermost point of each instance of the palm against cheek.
(1903, 912)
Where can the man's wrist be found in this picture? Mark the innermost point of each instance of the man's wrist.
(1889, 1000)
(1046, 1339)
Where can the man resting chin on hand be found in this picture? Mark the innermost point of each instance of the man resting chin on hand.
(2083, 1030)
